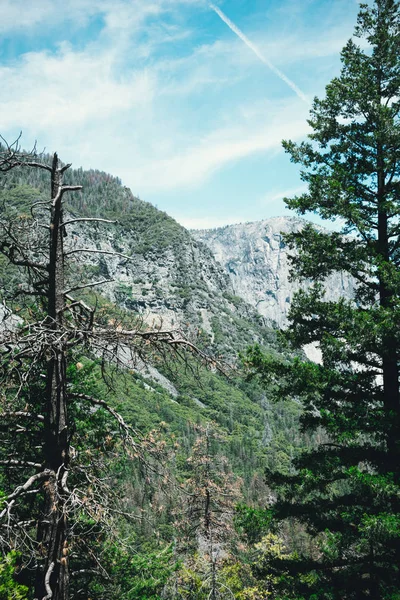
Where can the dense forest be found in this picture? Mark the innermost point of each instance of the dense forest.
(146, 459)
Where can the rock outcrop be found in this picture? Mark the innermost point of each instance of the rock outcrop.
(256, 259)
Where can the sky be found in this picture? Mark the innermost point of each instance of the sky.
(186, 101)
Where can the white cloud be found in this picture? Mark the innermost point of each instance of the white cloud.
(192, 165)
(67, 90)
(276, 196)
(118, 104)
(118, 14)
(15, 17)
(128, 120)
(80, 109)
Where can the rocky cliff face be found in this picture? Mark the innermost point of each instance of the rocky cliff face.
(178, 285)
(146, 261)
(256, 259)
(175, 283)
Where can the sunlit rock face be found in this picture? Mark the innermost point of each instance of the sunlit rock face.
(256, 259)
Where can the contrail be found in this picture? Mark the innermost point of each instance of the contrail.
(256, 51)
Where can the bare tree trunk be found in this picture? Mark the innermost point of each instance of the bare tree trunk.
(53, 576)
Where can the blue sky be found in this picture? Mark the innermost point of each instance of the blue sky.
(164, 94)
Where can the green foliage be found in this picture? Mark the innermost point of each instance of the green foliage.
(252, 523)
(253, 431)
(139, 576)
(17, 200)
(194, 581)
(10, 589)
(345, 491)
(102, 195)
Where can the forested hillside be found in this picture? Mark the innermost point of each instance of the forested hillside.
(160, 438)
(154, 273)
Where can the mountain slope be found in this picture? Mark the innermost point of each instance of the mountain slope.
(169, 275)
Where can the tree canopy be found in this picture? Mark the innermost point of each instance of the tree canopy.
(346, 491)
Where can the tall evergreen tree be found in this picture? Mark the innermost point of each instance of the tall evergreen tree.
(347, 490)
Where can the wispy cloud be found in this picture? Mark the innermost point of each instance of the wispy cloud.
(200, 160)
(153, 96)
(276, 196)
(256, 51)
(118, 14)
(75, 89)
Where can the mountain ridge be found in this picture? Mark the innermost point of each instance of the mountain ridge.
(168, 276)
(181, 275)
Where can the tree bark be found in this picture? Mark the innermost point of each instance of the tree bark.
(53, 575)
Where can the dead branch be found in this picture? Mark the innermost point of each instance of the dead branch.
(90, 219)
(38, 165)
(35, 204)
(86, 285)
(126, 339)
(21, 489)
(126, 429)
(47, 582)
(61, 190)
(20, 463)
(21, 523)
(22, 413)
(41, 349)
(87, 250)
(11, 156)
(78, 302)
(64, 168)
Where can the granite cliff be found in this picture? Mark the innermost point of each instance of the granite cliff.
(256, 259)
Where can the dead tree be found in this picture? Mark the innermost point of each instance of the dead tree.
(206, 516)
(26, 347)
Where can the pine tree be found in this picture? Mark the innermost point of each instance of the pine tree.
(347, 490)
